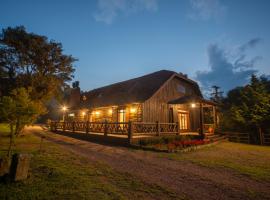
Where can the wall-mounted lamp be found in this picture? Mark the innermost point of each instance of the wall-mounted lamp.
(193, 105)
(133, 110)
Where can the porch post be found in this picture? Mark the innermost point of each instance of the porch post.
(158, 128)
(201, 121)
(130, 131)
(105, 128)
(215, 117)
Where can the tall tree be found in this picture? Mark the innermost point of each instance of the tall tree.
(248, 107)
(32, 61)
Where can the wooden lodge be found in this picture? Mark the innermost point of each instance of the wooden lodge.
(162, 97)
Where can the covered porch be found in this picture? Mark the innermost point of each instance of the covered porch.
(195, 115)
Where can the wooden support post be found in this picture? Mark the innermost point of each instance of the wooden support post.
(106, 128)
(130, 131)
(64, 126)
(178, 128)
(215, 117)
(201, 121)
(87, 127)
(73, 127)
(158, 128)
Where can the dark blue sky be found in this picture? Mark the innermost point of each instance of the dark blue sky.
(213, 41)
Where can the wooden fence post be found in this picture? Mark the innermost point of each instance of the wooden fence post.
(51, 126)
(130, 131)
(73, 127)
(106, 128)
(158, 128)
(87, 127)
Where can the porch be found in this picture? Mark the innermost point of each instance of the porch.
(194, 115)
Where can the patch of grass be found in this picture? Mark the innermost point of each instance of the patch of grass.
(4, 129)
(58, 174)
(246, 159)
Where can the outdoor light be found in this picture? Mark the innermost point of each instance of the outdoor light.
(97, 112)
(83, 113)
(193, 105)
(132, 110)
(71, 115)
(110, 111)
(64, 108)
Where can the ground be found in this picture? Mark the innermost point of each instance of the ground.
(67, 167)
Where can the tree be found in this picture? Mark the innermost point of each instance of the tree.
(32, 61)
(248, 107)
(18, 110)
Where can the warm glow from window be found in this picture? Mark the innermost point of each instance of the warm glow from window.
(97, 112)
(71, 114)
(110, 111)
(132, 110)
(83, 113)
(193, 105)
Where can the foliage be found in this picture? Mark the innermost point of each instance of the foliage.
(248, 108)
(19, 110)
(30, 60)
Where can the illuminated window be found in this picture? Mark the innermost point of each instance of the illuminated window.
(121, 115)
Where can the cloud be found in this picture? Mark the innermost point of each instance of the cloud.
(206, 9)
(109, 10)
(228, 71)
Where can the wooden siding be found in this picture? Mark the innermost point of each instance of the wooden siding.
(157, 109)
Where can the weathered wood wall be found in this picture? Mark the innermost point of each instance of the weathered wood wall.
(157, 109)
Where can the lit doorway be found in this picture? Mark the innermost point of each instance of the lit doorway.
(183, 118)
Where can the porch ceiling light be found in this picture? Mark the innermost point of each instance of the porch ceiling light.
(132, 110)
(193, 105)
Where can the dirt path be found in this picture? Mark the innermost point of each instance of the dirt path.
(183, 177)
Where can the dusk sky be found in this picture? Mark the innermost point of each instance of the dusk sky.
(213, 41)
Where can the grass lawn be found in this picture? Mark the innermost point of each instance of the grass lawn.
(58, 174)
(250, 160)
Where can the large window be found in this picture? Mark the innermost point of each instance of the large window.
(183, 118)
(121, 115)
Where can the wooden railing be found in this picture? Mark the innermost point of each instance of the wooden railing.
(155, 128)
(119, 128)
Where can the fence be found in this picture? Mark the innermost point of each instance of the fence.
(128, 129)
(265, 138)
(238, 137)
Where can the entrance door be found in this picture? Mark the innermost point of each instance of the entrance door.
(183, 118)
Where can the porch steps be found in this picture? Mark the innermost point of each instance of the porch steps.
(216, 137)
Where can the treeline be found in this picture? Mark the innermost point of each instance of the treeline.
(247, 108)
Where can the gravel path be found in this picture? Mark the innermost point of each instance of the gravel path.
(183, 177)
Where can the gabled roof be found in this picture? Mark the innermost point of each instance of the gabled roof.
(191, 99)
(135, 90)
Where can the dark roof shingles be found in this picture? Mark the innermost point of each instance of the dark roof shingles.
(131, 91)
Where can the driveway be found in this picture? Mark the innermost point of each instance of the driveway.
(183, 177)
